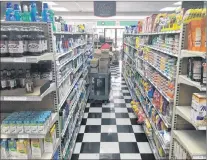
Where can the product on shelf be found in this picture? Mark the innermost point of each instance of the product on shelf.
(198, 109)
(195, 69)
(37, 148)
(196, 24)
(50, 140)
(26, 122)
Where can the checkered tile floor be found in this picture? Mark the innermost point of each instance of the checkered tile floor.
(110, 131)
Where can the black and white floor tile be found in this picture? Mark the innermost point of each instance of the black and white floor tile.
(110, 131)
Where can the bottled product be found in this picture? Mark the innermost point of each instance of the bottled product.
(35, 44)
(3, 79)
(29, 85)
(15, 42)
(45, 14)
(17, 12)
(44, 41)
(9, 11)
(4, 43)
(51, 17)
(33, 12)
(11, 79)
(25, 38)
(26, 16)
(21, 79)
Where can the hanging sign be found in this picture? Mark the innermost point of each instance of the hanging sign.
(104, 8)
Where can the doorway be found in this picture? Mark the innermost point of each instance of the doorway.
(114, 36)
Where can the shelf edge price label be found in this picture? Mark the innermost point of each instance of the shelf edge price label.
(19, 60)
(23, 136)
(14, 98)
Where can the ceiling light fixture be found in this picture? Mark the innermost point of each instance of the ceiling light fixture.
(177, 3)
(60, 9)
(168, 9)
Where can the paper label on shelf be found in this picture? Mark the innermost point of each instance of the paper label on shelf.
(23, 136)
(13, 98)
(198, 157)
(31, 59)
(19, 59)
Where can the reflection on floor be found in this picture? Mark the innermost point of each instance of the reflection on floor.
(110, 131)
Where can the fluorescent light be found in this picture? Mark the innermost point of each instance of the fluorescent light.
(168, 9)
(177, 3)
(51, 3)
(60, 9)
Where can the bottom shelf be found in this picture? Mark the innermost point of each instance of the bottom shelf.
(50, 155)
(193, 141)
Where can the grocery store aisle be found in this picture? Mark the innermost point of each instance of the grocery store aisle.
(110, 131)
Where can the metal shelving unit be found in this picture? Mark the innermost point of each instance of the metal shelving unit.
(190, 136)
(50, 98)
(14, 100)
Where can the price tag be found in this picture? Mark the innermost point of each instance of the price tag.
(19, 60)
(13, 98)
(199, 157)
(31, 60)
(23, 136)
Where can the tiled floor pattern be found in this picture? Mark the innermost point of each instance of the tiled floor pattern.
(110, 131)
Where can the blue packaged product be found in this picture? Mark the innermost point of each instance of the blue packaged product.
(45, 13)
(17, 12)
(33, 12)
(9, 11)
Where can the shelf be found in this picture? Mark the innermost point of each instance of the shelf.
(140, 72)
(163, 94)
(188, 54)
(70, 114)
(193, 141)
(154, 149)
(33, 135)
(64, 77)
(20, 95)
(71, 33)
(129, 56)
(70, 136)
(69, 90)
(50, 155)
(78, 67)
(185, 80)
(153, 33)
(130, 45)
(185, 113)
(77, 55)
(160, 50)
(58, 55)
(161, 72)
(28, 59)
(64, 63)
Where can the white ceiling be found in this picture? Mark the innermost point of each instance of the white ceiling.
(84, 9)
(120, 6)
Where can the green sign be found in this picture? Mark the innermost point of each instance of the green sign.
(106, 23)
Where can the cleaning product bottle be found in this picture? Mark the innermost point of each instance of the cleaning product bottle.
(33, 12)
(9, 11)
(26, 17)
(17, 12)
(45, 14)
(51, 17)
